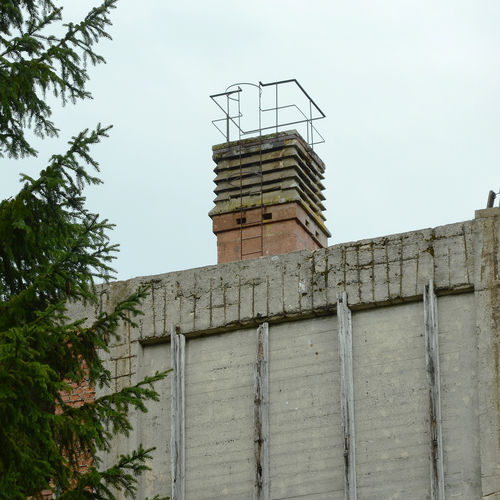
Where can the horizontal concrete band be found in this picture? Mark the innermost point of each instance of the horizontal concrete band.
(264, 144)
(286, 158)
(372, 272)
(271, 168)
(279, 179)
(287, 190)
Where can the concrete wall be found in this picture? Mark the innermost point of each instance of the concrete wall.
(218, 308)
(305, 411)
(392, 401)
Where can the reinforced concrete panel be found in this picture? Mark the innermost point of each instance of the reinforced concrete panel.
(219, 416)
(152, 429)
(459, 396)
(305, 427)
(391, 403)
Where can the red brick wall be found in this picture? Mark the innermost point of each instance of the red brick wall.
(79, 394)
(273, 230)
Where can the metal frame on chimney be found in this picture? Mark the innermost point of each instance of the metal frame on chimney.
(233, 93)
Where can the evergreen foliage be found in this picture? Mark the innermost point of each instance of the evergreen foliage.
(52, 249)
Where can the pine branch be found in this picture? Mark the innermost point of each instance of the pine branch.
(40, 62)
(109, 413)
(77, 243)
(52, 249)
(90, 427)
(99, 485)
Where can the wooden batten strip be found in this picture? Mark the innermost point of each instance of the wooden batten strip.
(347, 395)
(434, 380)
(261, 415)
(177, 421)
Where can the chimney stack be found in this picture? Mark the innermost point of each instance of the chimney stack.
(268, 197)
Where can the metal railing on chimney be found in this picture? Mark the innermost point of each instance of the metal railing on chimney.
(282, 111)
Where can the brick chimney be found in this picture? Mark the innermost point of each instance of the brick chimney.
(269, 197)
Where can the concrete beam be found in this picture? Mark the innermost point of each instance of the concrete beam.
(347, 396)
(177, 421)
(434, 379)
(261, 415)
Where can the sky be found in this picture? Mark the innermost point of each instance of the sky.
(410, 90)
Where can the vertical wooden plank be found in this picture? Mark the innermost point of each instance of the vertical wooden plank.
(433, 378)
(261, 415)
(347, 395)
(177, 422)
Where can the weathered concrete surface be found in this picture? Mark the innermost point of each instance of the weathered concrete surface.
(218, 308)
(375, 272)
(392, 400)
(219, 412)
(306, 432)
(458, 344)
(391, 403)
(487, 306)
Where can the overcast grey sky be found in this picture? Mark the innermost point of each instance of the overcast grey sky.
(410, 90)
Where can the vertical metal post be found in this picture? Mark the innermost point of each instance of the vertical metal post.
(239, 114)
(347, 395)
(491, 199)
(227, 119)
(277, 118)
(261, 415)
(311, 123)
(433, 377)
(260, 108)
(177, 421)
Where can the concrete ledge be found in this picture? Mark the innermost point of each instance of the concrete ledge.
(373, 272)
(487, 212)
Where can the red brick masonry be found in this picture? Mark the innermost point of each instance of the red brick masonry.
(272, 230)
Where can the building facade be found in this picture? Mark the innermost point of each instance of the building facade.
(364, 370)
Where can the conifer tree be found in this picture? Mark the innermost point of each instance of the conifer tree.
(52, 251)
